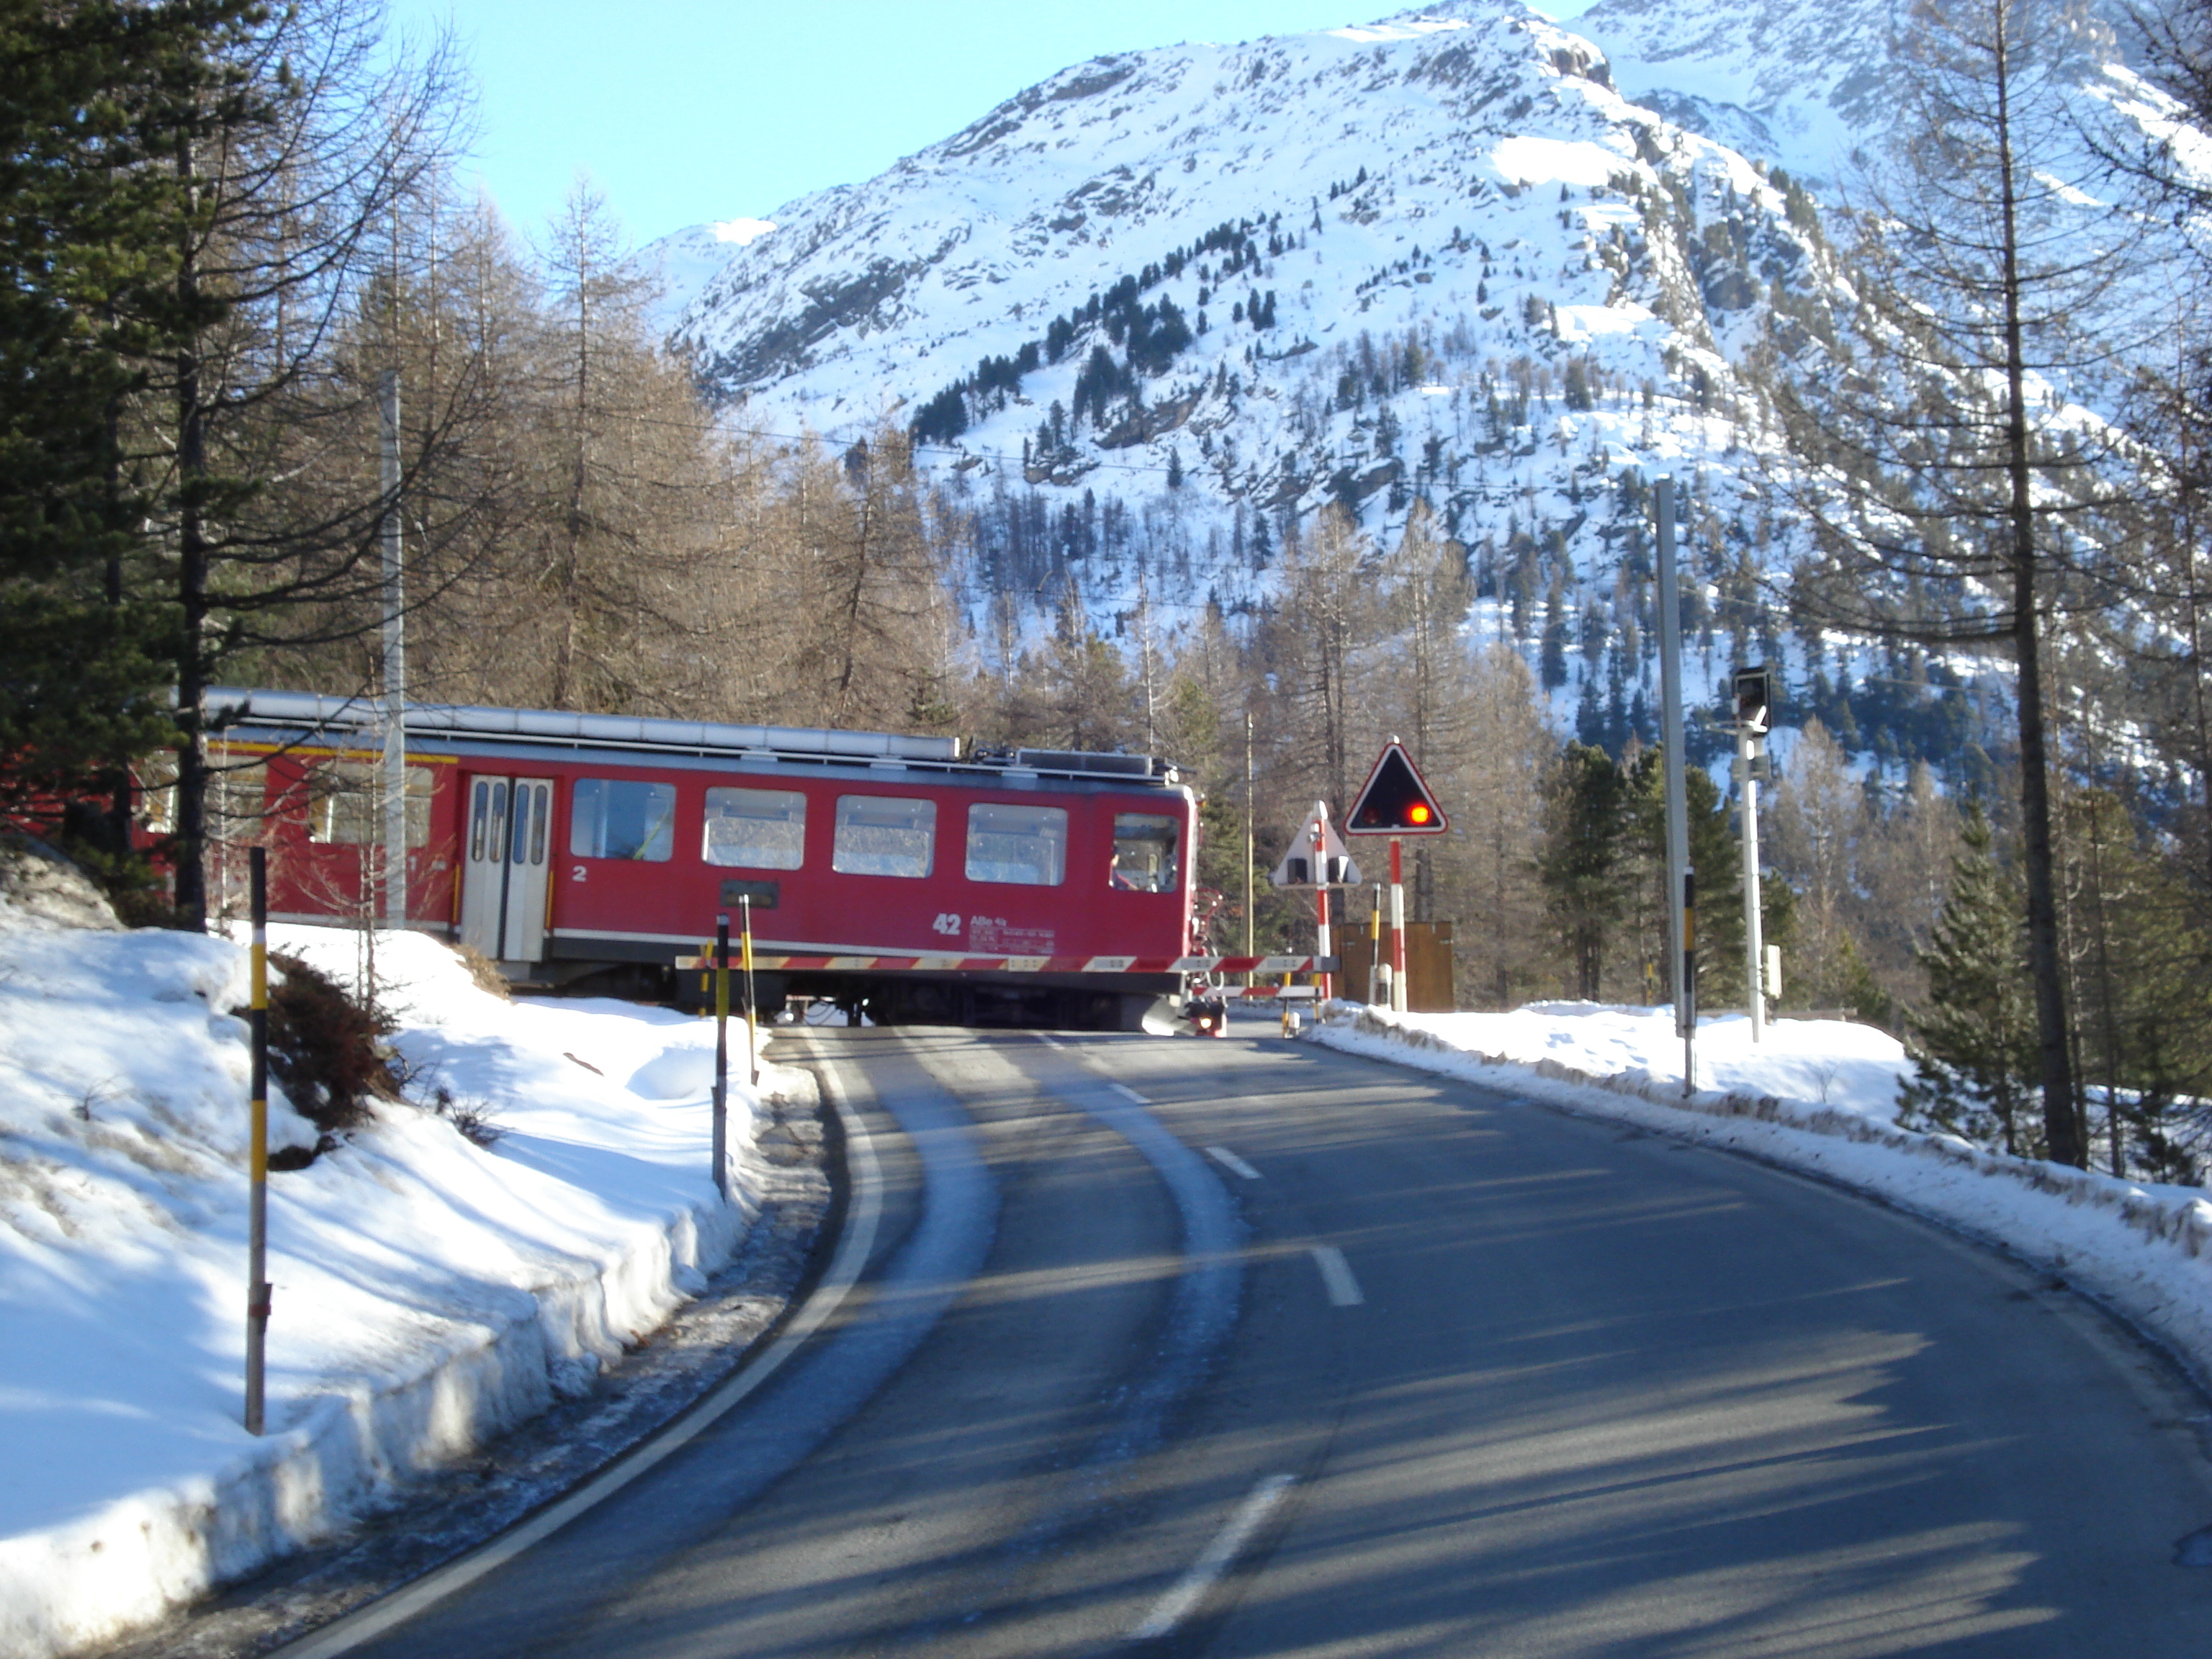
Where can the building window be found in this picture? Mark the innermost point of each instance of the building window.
(345, 804)
(1027, 844)
(756, 829)
(616, 818)
(1144, 853)
(883, 836)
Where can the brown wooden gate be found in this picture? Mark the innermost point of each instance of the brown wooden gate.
(1428, 965)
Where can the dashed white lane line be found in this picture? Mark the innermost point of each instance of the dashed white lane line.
(1228, 1161)
(1128, 1094)
(1215, 1559)
(1336, 1276)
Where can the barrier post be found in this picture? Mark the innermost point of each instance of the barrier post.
(1397, 926)
(722, 1057)
(1322, 980)
(1687, 970)
(258, 1296)
(1378, 965)
(752, 1035)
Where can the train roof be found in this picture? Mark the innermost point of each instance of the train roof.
(229, 708)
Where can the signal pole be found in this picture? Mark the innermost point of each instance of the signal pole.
(1250, 980)
(1321, 899)
(1395, 801)
(1397, 925)
(1681, 890)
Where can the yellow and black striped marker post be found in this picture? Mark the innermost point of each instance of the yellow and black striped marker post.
(722, 1057)
(752, 1036)
(257, 1233)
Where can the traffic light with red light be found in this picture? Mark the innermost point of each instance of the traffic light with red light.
(1395, 801)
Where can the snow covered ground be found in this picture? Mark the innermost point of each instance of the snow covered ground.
(1820, 1096)
(428, 1292)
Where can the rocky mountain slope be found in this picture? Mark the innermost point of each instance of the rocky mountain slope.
(1147, 318)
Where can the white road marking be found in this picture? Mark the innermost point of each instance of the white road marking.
(1336, 1276)
(854, 1246)
(1128, 1094)
(1178, 1604)
(1228, 1161)
(1050, 1042)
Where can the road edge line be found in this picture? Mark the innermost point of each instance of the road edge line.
(1228, 1161)
(1215, 1559)
(855, 1243)
(1336, 1276)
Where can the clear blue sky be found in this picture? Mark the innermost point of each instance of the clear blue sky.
(686, 110)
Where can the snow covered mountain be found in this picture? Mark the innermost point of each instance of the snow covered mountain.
(1153, 310)
(1810, 85)
(1438, 257)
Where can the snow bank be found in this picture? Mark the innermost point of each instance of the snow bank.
(1819, 1096)
(429, 1293)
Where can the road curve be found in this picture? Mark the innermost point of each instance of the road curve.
(1250, 1348)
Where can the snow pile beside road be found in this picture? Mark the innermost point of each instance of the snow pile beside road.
(428, 1292)
(1820, 1096)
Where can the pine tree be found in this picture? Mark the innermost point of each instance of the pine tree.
(87, 247)
(1975, 1060)
(1580, 867)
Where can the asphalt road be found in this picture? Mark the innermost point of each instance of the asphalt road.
(1248, 1348)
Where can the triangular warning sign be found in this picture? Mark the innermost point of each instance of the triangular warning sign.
(1301, 867)
(1394, 800)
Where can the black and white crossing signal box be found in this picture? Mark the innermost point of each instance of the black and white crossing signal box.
(1301, 867)
(1754, 697)
(1396, 799)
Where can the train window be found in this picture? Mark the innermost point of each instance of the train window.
(756, 829)
(532, 806)
(617, 818)
(1024, 844)
(345, 806)
(1144, 853)
(488, 822)
(883, 836)
(156, 778)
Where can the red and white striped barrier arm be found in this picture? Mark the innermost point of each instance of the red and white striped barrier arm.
(1034, 964)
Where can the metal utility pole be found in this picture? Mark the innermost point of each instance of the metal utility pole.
(1681, 908)
(1249, 979)
(395, 671)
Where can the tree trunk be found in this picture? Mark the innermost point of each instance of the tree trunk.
(189, 848)
(2061, 1127)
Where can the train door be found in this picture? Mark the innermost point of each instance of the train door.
(503, 880)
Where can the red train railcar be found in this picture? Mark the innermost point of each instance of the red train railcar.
(909, 876)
